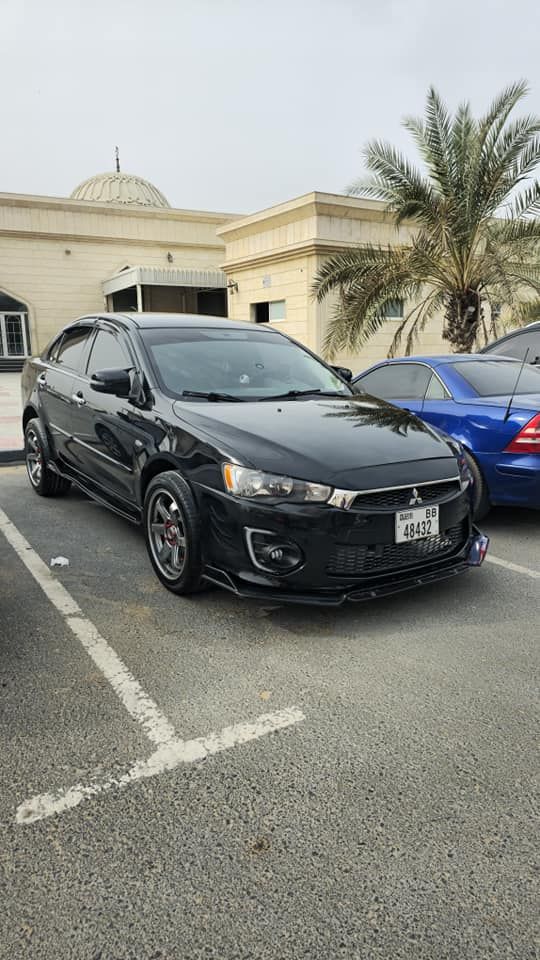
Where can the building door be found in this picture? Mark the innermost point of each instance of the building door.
(14, 341)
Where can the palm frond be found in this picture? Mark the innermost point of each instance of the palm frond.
(475, 205)
(394, 180)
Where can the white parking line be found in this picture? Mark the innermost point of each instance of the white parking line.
(171, 750)
(514, 567)
(156, 727)
(166, 757)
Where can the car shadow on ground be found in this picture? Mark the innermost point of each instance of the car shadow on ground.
(510, 520)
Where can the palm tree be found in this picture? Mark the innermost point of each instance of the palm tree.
(529, 312)
(474, 209)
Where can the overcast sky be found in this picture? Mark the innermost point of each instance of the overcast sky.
(234, 105)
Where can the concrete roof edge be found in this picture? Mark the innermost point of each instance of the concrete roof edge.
(319, 201)
(163, 213)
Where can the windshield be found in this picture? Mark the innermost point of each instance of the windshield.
(246, 364)
(497, 378)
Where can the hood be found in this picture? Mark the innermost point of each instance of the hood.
(342, 442)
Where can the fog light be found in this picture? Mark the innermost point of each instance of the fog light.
(270, 553)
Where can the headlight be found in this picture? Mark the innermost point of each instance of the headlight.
(242, 482)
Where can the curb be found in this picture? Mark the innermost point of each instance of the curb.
(11, 456)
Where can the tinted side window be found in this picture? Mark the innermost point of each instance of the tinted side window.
(406, 381)
(516, 346)
(436, 390)
(53, 350)
(107, 353)
(71, 349)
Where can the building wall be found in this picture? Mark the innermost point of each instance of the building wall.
(377, 347)
(275, 255)
(55, 255)
(58, 286)
(284, 280)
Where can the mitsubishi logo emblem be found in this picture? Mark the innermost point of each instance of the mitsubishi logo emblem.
(415, 497)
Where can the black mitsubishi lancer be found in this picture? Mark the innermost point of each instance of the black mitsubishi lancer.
(249, 462)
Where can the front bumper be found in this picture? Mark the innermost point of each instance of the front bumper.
(335, 544)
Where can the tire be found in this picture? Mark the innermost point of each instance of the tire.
(37, 455)
(481, 504)
(172, 530)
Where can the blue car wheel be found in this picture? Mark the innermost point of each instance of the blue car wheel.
(481, 502)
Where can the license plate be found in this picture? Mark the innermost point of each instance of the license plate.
(416, 524)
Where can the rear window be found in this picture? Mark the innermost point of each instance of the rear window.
(497, 378)
(517, 345)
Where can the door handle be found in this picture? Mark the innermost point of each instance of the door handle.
(78, 398)
(42, 380)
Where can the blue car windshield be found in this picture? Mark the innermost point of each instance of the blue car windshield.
(497, 378)
(247, 364)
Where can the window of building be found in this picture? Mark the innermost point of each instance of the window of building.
(393, 309)
(268, 311)
(71, 349)
(397, 381)
(107, 354)
(14, 333)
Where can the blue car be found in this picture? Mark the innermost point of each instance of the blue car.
(490, 404)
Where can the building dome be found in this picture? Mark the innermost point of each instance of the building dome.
(120, 188)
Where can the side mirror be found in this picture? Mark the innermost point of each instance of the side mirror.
(115, 382)
(344, 373)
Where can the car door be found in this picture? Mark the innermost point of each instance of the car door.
(104, 431)
(401, 383)
(55, 384)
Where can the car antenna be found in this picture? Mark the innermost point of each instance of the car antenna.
(507, 414)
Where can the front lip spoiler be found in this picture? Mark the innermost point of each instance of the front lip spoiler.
(472, 555)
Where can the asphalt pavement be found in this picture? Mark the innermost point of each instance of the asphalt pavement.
(390, 815)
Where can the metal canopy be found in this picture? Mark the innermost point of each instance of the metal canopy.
(162, 277)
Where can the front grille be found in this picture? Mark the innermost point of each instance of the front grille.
(358, 560)
(430, 493)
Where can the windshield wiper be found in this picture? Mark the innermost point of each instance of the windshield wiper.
(212, 396)
(292, 394)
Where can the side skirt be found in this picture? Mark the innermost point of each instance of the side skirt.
(122, 508)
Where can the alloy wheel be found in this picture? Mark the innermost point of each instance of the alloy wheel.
(166, 534)
(34, 458)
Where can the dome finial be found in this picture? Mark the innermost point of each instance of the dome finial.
(117, 158)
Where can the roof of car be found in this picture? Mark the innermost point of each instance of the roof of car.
(534, 326)
(144, 321)
(443, 358)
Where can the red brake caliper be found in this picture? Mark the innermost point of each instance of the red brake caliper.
(170, 532)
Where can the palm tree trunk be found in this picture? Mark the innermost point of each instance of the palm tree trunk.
(463, 316)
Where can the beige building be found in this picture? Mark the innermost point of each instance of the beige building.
(116, 244)
(272, 257)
